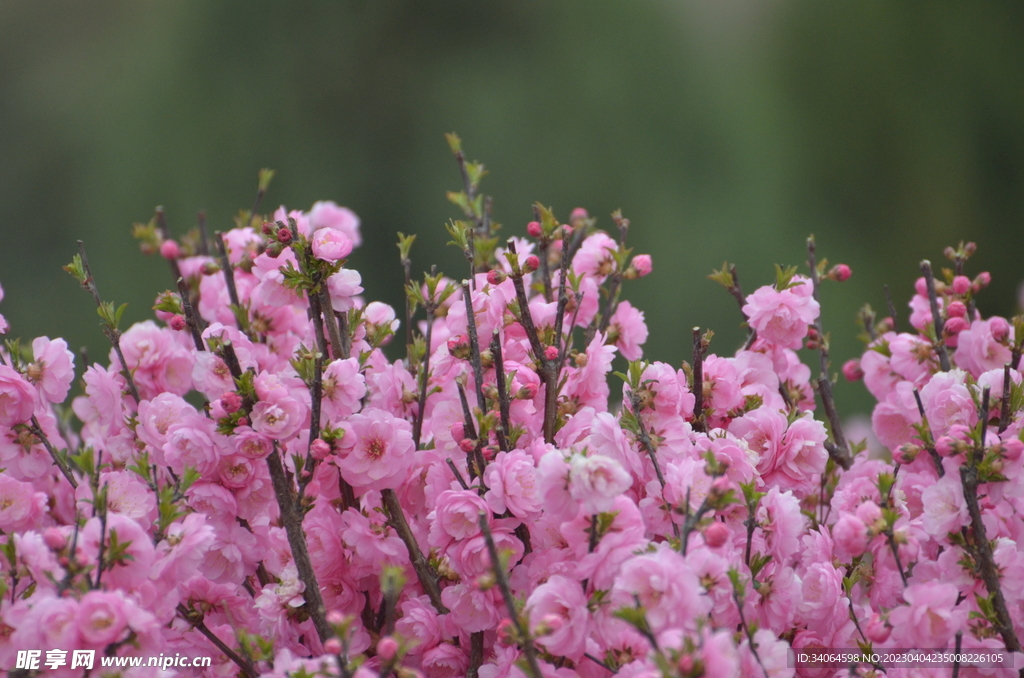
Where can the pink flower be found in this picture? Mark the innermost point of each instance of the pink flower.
(945, 509)
(419, 623)
(930, 618)
(17, 397)
(376, 451)
(978, 350)
(53, 368)
(512, 485)
(628, 330)
(456, 517)
(666, 586)
(330, 245)
(595, 256)
(781, 318)
(445, 661)
(851, 537)
(101, 618)
(21, 507)
(327, 214)
(643, 265)
(192, 442)
(595, 481)
(343, 389)
(947, 402)
(279, 418)
(558, 617)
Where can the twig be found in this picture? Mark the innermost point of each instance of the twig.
(57, 457)
(333, 331)
(506, 593)
(191, 319)
(700, 345)
(458, 476)
(291, 516)
(476, 654)
(503, 402)
(931, 448)
(426, 575)
(424, 378)
(940, 345)
(892, 308)
(474, 346)
(839, 450)
(229, 273)
(161, 224)
(195, 619)
(1004, 409)
(112, 333)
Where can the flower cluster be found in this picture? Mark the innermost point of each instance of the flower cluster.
(253, 478)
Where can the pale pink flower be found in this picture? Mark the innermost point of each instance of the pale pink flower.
(512, 485)
(851, 537)
(781, 318)
(666, 587)
(419, 623)
(21, 507)
(595, 481)
(558, 616)
(930, 617)
(17, 397)
(327, 214)
(376, 451)
(978, 351)
(456, 516)
(330, 245)
(629, 330)
(948, 402)
(101, 618)
(52, 369)
(343, 389)
(595, 256)
(945, 509)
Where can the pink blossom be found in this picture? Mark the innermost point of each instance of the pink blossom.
(628, 330)
(851, 537)
(512, 485)
(327, 214)
(557, 612)
(782, 317)
(930, 618)
(595, 481)
(330, 245)
(945, 510)
(21, 507)
(666, 587)
(101, 618)
(376, 451)
(17, 397)
(456, 517)
(642, 264)
(53, 368)
(595, 256)
(343, 389)
(978, 350)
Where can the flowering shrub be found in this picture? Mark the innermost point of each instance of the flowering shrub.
(254, 480)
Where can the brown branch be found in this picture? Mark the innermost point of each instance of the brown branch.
(195, 619)
(229, 273)
(503, 402)
(940, 346)
(191, 318)
(426, 575)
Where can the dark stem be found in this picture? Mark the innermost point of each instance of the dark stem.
(426, 575)
(700, 345)
(333, 331)
(229, 273)
(892, 308)
(746, 629)
(474, 346)
(424, 378)
(510, 605)
(193, 321)
(476, 654)
(161, 224)
(291, 516)
(112, 333)
(896, 555)
(503, 402)
(1004, 409)
(204, 237)
(931, 446)
(407, 271)
(838, 450)
(455, 472)
(58, 457)
(346, 336)
(195, 619)
(940, 345)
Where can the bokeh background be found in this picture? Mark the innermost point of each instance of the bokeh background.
(723, 130)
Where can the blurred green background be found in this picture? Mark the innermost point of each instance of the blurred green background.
(724, 130)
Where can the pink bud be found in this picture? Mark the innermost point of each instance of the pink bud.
(490, 452)
(178, 323)
(869, 513)
(905, 454)
(528, 392)
(716, 534)
(999, 327)
(955, 325)
(945, 446)
(852, 370)
(54, 538)
(458, 430)
(284, 235)
(506, 632)
(840, 272)
(578, 214)
(643, 265)
(495, 277)
(386, 648)
(961, 285)
(170, 250)
(1012, 449)
(533, 229)
(332, 646)
(334, 617)
(531, 264)
(921, 287)
(983, 279)
(550, 623)
(551, 353)
(467, 445)
(457, 342)
(956, 309)
(243, 421)
(320, 448)
(877, 630)
(268, 227)
(231, 401)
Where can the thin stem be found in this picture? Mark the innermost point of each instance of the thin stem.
(510, 605)
(424, 378)
(57, 457)
(333, 331)
(112, 333)
(161, 224)
(455, 472)
(503, 401)
(892, 308)
(1004, 409)
(346, 336)
(229, 273)
(930, 447)
(474, 346)
(940, 346)
(700, 346)
(746, 628)
(291, 517)
(195, 619)
(838, 449)
(476, 654)
(191, 319)
(426, 575)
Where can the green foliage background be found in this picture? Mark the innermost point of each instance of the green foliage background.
(724, 130)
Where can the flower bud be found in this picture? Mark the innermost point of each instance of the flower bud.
(983, 279)
(231, 402)
(169, 250)
(1012, 448)
(178, 323)
(495, 277)
(642, 264)
(332, 646)
(840, 272)
(334, 617)
(1000, 328)
(506, 632)
(54, 538)
(531, 264)
(579, 214)
(905, 454)
(268, 228)
(961, 285)
(551, 353)
(716, 534)
(467, 445)
(956, 309)
(284, 235)
(852, 370)
(458, 431)
(877, 630)
(528, 392)
(243, 421)
(386, 648)
(549, 623)
(209, 268)
(955, 325)
(945, 446)
(533, 229)
(320, 448)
